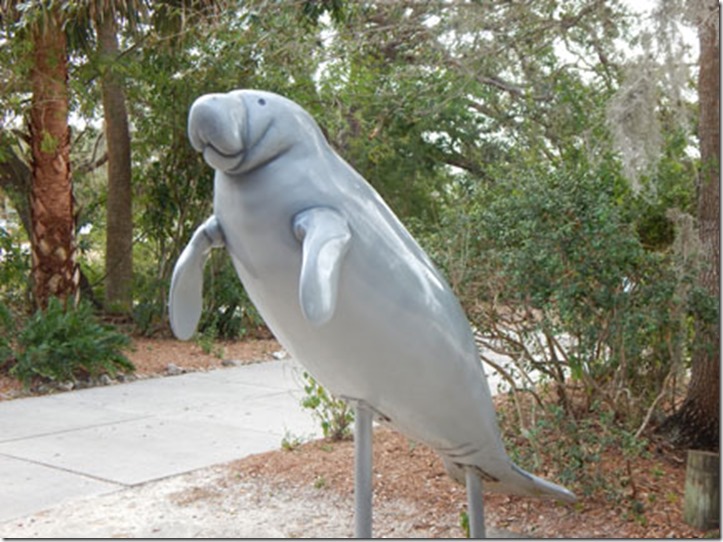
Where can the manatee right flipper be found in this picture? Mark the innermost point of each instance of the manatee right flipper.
(324, 234)
(186, 295)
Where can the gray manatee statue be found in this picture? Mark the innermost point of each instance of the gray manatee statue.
(341, 284)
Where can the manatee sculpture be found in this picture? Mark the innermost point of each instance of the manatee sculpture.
(346, 290)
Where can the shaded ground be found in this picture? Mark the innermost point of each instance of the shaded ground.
(307, 491)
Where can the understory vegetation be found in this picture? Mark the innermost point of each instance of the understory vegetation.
(61, 344)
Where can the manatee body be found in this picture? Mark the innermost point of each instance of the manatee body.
(341, 283)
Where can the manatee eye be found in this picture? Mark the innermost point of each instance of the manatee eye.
(262, 101)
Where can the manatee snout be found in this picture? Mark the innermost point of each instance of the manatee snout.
(215, 128)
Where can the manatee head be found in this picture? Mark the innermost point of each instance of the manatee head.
(244, 129)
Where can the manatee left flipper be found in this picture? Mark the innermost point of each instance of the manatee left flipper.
(186, 295)
(325, 236)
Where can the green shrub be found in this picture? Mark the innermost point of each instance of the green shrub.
(593, 318)
(60, 344)
(7, 332)
(464, 523)
(14, 269)
(149, 310)
(228, 312)
(590, 455)
(555, 277)
(335, 415)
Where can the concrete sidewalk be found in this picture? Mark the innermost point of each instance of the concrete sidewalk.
(106, 461)
(58, 448)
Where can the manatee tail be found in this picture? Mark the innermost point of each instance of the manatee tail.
(545, 489)
(512, 480)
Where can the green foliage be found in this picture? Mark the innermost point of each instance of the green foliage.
(408, 96)
(381, 120)
(7, 332)
(207, 341)
(574, 451)
(334, 414)
(174, 185)
(464, 523)
(149, 310)
(671, 186)
(291, 442)
(14, 269)
(229, 313)
(62, 344)
(555, 277)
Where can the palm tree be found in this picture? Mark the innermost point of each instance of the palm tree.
(55, 272)
(54, 268)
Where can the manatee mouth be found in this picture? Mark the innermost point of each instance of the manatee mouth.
(222, 161)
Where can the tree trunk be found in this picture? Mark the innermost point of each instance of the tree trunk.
(119, 216)
(55, 272)
(696, 424)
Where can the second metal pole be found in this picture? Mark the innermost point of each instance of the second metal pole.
(475, 505)
(362, 472)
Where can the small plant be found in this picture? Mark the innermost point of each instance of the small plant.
(291, 442)
(62, 344)
(334, 414)
(464, 523)
(207, 341)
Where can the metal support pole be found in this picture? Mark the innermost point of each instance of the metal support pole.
(475, 505)
(362, 472)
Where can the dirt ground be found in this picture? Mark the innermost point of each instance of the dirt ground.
(307, 491)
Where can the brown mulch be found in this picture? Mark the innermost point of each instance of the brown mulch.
(152, 356)
(405, 471)
(408, 471)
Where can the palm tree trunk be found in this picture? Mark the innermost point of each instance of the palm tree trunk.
(119, 216)
(54, 269)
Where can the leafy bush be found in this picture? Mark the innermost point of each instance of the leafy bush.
(14, 268)
(7, 332)
(62, 344)
(591, 455)
(228, 311)
(335, 415)
(556, 279)
(149, 308)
